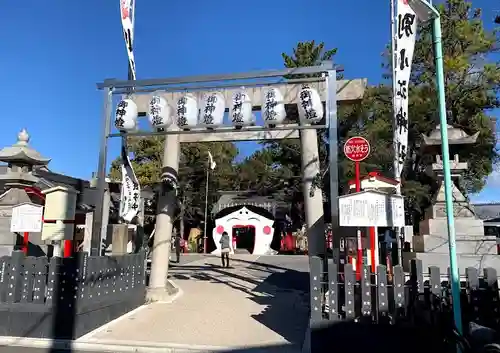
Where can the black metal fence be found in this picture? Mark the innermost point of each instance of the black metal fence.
(419, 298)
(67, 297)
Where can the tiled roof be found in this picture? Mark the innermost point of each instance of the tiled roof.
(487, 211)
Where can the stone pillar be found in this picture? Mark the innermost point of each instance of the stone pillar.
(158, 285)
(119, 236)
(313, 202)
(87, 235)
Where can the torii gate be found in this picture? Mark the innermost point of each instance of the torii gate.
(330, 91)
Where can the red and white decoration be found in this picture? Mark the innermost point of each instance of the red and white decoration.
(264, 230)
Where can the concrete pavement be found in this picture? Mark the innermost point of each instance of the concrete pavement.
(257, 302)
(40, 350)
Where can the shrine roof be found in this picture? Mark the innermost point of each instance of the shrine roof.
(487, 211)
(376, 176)
(230, 199)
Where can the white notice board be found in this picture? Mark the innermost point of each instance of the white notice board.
(26, 217)
(371, 209)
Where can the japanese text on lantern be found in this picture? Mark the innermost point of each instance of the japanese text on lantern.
(306, 103)
(209, 109)
(121, 111)
(181, 111)
(154, 111)
(237, 116)
(271, 103)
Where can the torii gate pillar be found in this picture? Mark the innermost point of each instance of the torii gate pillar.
(159, 287)
(313, 197)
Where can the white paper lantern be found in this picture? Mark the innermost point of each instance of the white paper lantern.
(187, 112)
(273, 108)
(126, 115)
(310, 106)
(160, 113)
(212, 110)
(241, 110)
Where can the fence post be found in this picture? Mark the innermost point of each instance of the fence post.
(15, 277)
(417, 281)
(366, 292)
(52, 280)
(315, 276)
(312, 341)
(474, 293)
(383, 305)
(333, 294)
(435, 289)
(40, 280)
(82, 259)
(491, 280)
(349, 282)
(27, 279)
(399, 292)
(4, 279)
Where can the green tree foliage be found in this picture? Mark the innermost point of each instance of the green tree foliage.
(193, 175)
(147, 158)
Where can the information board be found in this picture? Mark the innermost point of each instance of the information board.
(371, 209)
(26, 217)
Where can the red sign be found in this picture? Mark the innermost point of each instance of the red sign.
(357, 148)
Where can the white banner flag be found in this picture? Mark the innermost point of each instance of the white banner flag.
(131, 190)
(211, 161)
(406, 29)
(126, 9)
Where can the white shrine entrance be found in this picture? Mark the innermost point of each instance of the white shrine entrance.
(247, 230)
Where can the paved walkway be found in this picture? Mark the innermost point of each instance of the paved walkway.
(251, 304)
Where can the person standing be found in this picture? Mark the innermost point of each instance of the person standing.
(225, 249)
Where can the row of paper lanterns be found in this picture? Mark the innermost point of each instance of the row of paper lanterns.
(189, 113)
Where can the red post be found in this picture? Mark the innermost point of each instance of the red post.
(357, 176)
(68, 248)
(359, 262)
(373, 246)
(26, 242)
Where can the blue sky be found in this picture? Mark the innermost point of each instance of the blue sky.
(53, 53)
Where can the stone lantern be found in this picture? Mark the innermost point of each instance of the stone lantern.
(20, 159)
(474, 249)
